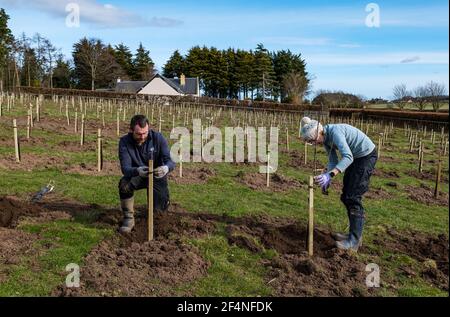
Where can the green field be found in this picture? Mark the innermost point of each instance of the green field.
(39, 273)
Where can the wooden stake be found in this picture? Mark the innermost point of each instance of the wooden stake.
(421, 158)
(181, 158)
(438, 178)
(311, 217)
(99, 151)
(28, 125)
(287, 139)
(16, 141)
(306, 153)
(380, 140)
(76, 121)
(268, 169)
(150, 203)
(82, 130)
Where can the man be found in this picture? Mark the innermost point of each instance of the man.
(135, 150)
(358, 159)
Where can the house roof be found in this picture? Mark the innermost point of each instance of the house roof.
(191, 85)
(130, 86)
(136, 86)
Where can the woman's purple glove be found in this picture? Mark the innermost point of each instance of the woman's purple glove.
(323, 180)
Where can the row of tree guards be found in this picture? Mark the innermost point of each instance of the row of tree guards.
(78, 110)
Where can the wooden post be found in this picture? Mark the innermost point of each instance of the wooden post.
(76, 121)
(38, 110)
(268, 169)
(311, 217)
(99, 151)
(421, 158)
(16, 141)
(118, 123)
(419, 152)
(82, 130)
(306, 153)
(150, 203)
(181, 158)
(31, 114)
(287, 139)
(380, 140)
(438, 178)
(28, 125)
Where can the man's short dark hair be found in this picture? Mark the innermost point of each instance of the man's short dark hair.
(140, 120)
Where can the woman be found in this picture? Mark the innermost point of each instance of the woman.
(358, 159)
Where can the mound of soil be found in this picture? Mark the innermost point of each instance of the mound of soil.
(427, 175)
(11, 210)
(385, 174)
(293, 273)
(425, 195)
(297, 160)
(278, 183)
(14, 245)
(431, 251)
(377, 194)
(30, 162)
(129, 266)
(198, 175)
(109, 168)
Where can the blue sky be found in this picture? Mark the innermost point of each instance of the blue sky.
(410, 46)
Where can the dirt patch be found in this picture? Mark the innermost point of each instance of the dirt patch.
(30, 162)
(297, 160)
(128, 266)
(431, 251)
(385, 174)
(427, 175)
(109, 169)
(377, 193)
(278, 183)
(14, 245)
(293, 273)
(74, 146)
(12, 209)
(425, 195)
(199, 175)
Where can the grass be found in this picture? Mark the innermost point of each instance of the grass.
(233, 271)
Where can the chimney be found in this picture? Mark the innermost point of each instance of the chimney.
(182, 80)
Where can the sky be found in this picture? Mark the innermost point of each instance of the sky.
(342, 43)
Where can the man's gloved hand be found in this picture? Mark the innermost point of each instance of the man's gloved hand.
(161, 171)
(143, 171)
(323, 180)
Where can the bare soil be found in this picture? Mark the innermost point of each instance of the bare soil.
(425, 195)
(278, 183)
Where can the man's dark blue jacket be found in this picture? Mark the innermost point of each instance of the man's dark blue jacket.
(133, 156)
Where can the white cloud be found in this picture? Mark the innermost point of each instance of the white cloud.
(349, 45)
(95, 13)
(410, 60)
(381, 59)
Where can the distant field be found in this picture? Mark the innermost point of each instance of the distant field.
(428, 107)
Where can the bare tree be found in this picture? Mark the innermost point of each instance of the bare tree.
(297, 86)
(421, 94)
(94, 59)
(400, 93)
(435, 92)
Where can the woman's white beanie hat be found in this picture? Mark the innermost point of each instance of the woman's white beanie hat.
(309, 130)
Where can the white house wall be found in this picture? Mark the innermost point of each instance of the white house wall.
(158, 87)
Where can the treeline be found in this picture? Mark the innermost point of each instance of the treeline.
(36, 62)
(431, 93)
(338, 99)
(257, 75)
(239, 74)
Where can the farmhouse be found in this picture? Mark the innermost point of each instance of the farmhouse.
(160, 85)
